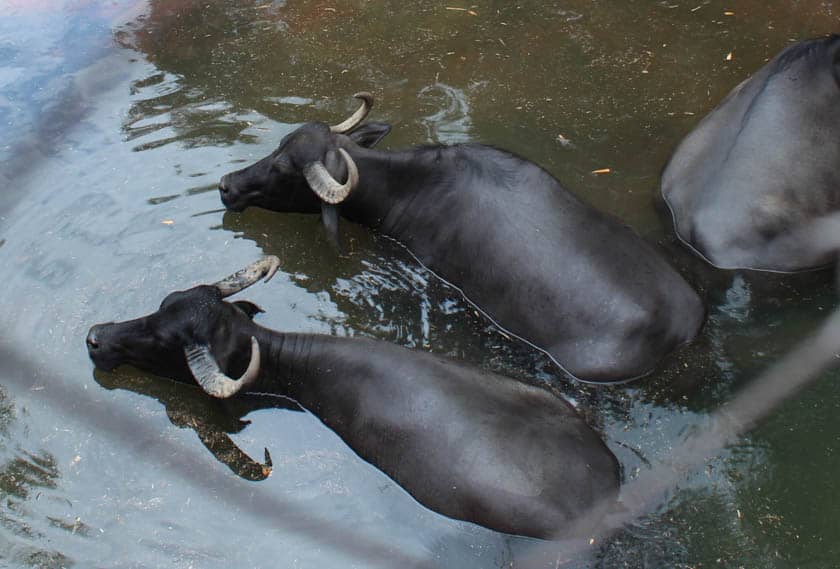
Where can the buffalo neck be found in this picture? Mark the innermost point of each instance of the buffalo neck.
(287, 364)
(388, 182)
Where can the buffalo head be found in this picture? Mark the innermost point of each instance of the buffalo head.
(194, 334)
(303, 174)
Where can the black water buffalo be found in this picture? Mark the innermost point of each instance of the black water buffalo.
(543, 265)
(747, 185)
(467, 443)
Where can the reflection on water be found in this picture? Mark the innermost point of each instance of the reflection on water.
(450, 123)
(44, 90)
(117, 128)
(164, 113)
(28, 486)
(378, 288)
(211, 419)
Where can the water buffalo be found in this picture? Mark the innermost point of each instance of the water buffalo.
(467, 443)
(543, 265)
(747, 185)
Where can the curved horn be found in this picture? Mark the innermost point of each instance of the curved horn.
(325, 186)
(206, 371)
(358, 116)
(244, 278)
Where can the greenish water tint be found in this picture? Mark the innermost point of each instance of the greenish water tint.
(119, 118)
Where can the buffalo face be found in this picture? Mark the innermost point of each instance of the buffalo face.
(277, 181)
(302, 174)
(750, 183)
(194, 334)
(156, 342)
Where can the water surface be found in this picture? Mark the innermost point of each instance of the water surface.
(118, 118)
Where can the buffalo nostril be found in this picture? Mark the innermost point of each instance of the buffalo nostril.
(91, 341)
(223, 186)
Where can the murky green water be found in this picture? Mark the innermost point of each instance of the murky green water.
(119, 117)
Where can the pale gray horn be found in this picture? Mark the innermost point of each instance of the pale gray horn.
(325, 186)
(357, 117)
(214, 381)
(244, 278)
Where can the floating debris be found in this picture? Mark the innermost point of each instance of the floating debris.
(467, 10)
(564, 142)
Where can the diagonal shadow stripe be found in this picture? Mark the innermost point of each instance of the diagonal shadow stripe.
(137, 438)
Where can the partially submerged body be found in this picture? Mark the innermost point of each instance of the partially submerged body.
(543, 265)
(748, 186)
(467, 443)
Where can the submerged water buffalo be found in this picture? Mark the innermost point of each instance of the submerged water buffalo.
(467, 443)
(747, 186)
(543, 265)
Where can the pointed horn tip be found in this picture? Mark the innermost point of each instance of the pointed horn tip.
(254, 364)
(272, 265)
(357, 117)
(352, 169)
(365, 96)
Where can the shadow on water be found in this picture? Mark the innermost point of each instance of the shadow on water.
(212, 420)
(21, 476)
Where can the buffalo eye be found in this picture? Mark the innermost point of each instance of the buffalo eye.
(282, 163)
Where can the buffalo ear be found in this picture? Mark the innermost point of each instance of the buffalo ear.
(370, 134)
(337, 168)
(329, 216)
(249, 308)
